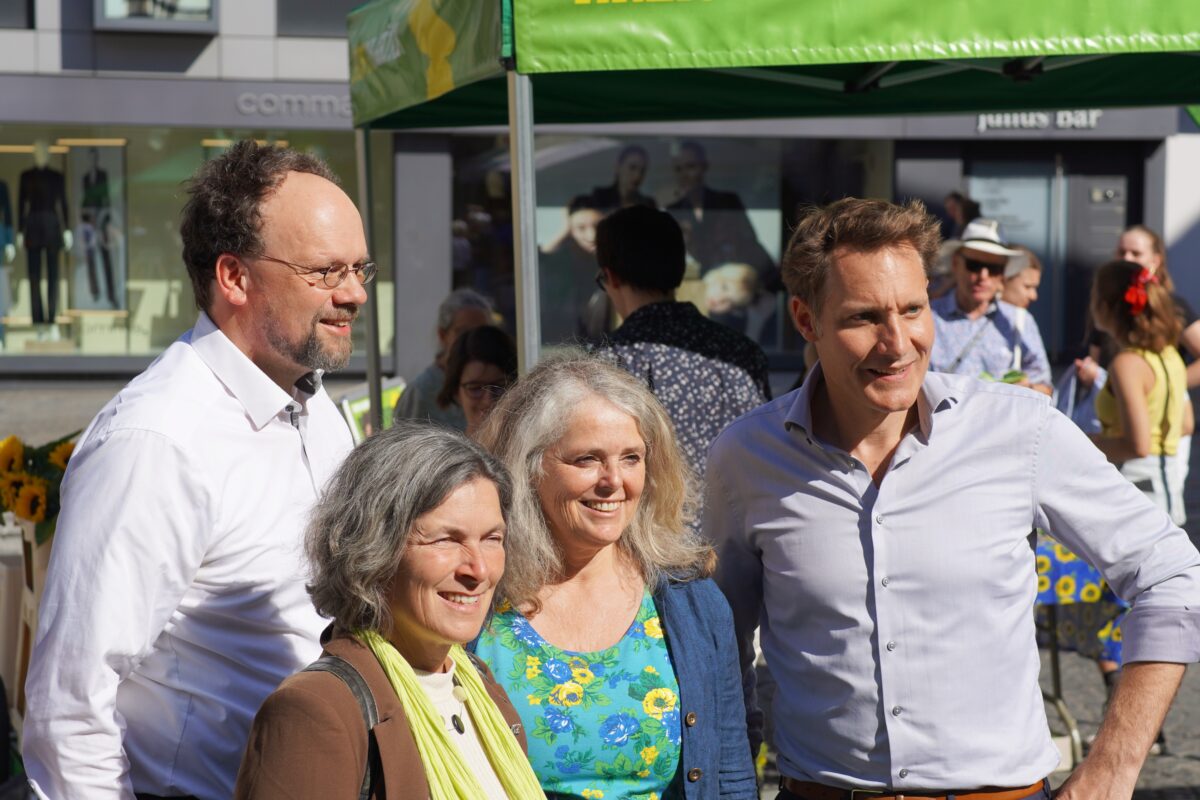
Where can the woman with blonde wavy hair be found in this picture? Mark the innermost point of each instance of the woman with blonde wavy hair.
(615, 646)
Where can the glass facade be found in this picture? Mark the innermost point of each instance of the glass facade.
(114, 196)
(735, 198)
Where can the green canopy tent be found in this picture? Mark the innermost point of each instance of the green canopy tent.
(427, 63)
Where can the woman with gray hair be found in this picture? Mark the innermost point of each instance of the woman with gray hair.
(407, 545)
(616, 646)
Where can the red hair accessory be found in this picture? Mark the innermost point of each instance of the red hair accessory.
(1136, 295)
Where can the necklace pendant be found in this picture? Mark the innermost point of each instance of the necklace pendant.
(457, 722)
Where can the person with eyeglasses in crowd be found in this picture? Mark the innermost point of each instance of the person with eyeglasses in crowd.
(175, 600)
(979, 334)
(481, 365)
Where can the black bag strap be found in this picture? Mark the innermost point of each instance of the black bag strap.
(354, 681)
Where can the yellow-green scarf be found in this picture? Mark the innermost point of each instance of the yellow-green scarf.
(448, 775)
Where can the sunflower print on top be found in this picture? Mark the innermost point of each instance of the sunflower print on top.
(600, 725)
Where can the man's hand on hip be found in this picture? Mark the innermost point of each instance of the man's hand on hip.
(1134, 717)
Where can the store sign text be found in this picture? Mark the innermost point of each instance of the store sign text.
(1079, 119)
(269, 104)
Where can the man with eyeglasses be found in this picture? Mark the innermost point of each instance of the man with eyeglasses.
(979, 334)
(175, 600)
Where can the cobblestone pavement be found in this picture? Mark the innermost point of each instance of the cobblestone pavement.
(39, 411)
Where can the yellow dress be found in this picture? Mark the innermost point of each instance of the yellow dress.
(1166, 400)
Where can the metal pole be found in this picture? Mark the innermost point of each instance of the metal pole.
(524, 204)
(362, 145)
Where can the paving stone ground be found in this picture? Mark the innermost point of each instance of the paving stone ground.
(39, 411)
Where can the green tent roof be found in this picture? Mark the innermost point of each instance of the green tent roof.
(420, 63)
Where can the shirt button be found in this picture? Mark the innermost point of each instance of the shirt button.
(897, 711)
(690, 719)
(891, 646)
(903, 773)
(879, 519)
(886, 581)
(694, 774)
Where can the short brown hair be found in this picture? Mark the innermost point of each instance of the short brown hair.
(1155, 328)
(861, 226)
(223, 214)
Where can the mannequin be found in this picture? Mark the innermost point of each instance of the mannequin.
(43, 228)
(97, 219)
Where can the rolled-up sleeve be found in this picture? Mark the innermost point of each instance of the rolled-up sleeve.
(1085, 503)
(132, 533)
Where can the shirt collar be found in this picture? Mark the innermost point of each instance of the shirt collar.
(260, 396)
(936, 396)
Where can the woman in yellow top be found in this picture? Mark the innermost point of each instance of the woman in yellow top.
(1143, 408)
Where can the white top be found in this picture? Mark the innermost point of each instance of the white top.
(440, 688)
(175, 600)
(897, 620)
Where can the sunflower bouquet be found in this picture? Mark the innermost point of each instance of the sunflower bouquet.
(30, 480)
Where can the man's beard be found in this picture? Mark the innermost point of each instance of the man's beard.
(310, 352)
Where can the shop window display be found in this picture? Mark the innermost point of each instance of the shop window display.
(101, 216)
(725, 193)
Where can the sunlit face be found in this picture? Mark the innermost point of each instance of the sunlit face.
(1137, 246)
(978, 276)
(593, 477)
(874, 332)
(1022, 289)
(631, 172)
(582, 225)
(301, 324)
(443, 587)
(478, 390)
(689, 170)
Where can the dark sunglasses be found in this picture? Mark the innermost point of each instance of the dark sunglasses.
(979, 266)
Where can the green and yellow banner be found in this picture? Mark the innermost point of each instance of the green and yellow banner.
(589, 35)
(407, 52)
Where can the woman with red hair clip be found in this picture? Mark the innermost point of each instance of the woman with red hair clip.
(1143, 408)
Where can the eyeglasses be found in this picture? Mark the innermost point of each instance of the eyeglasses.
(973, 265)
(333, 275)
(476, 390)
(601, 281)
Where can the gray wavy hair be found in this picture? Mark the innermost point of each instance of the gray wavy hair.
(357, 535)
(532, 417)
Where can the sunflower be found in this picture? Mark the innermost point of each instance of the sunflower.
(12, 454)
(31, 502)
(11, 484)
(59, 455)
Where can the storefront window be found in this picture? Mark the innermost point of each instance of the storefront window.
(725, 194)
(92, 215)
(196, 16)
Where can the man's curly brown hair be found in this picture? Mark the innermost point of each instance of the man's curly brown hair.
(223, 213)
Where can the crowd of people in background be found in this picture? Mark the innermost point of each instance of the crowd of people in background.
(558, 585)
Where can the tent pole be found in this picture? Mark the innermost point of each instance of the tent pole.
(362, 144)
(524, 200)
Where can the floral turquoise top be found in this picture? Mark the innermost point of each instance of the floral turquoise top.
(599, 725)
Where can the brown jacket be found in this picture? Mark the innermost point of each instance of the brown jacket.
(309, 739)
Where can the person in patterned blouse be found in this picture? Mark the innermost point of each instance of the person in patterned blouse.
(705, 374)
(613, 643)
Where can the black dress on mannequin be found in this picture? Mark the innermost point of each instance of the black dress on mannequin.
(41, 198)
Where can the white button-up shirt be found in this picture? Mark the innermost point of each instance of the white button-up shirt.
(175, 599)
(897, 620)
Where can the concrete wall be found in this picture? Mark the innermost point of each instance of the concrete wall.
(1180, 214)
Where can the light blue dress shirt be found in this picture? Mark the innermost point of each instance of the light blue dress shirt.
(897, 619)
(994, 349)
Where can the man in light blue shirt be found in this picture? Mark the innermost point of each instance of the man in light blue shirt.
(875, 523)
(979, 334)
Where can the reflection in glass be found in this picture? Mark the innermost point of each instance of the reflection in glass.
(181, 10)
